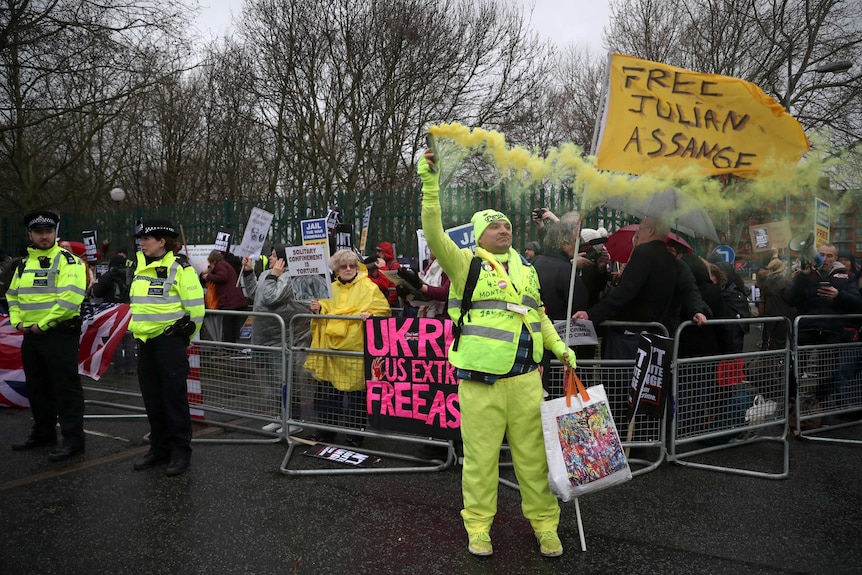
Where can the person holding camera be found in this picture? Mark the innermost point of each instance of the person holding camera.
(656, 287)
(540, 217)
(593, 261)
(822, 287)
(167, 302)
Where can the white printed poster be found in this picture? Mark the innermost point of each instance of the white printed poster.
(308, 268)
(255, 233)
(581, 332)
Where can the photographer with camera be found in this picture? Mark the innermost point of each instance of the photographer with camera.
(822, 286)
(541, 216)
(593, 260)
(167, 302)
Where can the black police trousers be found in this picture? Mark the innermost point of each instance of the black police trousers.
(163, 367)
(51, 368)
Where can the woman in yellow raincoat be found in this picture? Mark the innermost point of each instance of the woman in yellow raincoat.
(353, 294)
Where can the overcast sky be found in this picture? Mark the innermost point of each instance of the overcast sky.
(562, 21)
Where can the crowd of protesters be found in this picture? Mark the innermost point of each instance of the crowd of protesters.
(562, 274)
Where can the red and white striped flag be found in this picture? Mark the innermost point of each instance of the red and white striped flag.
(193, 383)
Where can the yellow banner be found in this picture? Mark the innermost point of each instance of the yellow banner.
(661, 118)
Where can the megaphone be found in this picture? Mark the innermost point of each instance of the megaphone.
(803, 245)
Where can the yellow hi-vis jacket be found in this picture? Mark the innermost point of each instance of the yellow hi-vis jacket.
(48, 289)
(163, 292)
(503, 302)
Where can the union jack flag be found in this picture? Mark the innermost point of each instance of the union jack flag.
(13, 390)
(102, 329)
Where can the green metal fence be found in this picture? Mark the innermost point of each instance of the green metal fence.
(395, 216)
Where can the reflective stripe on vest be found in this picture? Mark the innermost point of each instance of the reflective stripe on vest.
(489, 332)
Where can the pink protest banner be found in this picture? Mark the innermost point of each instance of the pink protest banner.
(411, 385)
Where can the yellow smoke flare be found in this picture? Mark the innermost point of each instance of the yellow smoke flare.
(568, 165)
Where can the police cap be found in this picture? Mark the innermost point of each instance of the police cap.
(41, 219)
(157, 228)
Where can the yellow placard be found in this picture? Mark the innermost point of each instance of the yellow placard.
(661, 118)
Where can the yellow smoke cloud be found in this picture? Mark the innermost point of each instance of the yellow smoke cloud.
(567, 165)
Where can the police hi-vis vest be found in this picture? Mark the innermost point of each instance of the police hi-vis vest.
(492, 327)
(163, 292)
(48, 289)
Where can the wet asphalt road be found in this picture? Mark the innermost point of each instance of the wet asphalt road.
(234, 512)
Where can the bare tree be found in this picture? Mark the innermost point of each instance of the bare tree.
(348, 86)
(780, 45)
(68, 69)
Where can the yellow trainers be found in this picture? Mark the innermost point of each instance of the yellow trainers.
(549, 544)
(480, 544)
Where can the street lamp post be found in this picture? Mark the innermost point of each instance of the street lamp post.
(828, 68)
(118, 194)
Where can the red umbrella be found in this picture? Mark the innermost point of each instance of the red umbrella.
(619, 244)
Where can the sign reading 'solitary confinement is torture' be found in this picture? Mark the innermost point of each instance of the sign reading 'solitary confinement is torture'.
(309, 271)
(411, 385)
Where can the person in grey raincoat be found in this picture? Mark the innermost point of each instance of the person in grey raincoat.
(272, 292)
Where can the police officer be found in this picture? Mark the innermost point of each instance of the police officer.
(45, 302)
(167, 304)
(496, 357)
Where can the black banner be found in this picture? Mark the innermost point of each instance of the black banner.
(411, 385)
(651, 379)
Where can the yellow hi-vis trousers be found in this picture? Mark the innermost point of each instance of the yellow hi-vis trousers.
(510, 406)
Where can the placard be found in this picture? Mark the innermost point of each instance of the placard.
(309, 272)
(337, 454)
(411, 386)
(222, 242)
(366, 223)
(255, 233)
(314, 232)
(581, 332)
(89, 237)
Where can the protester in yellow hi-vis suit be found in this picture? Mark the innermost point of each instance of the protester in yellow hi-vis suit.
(167, 311)
(45, 298)
(497, 355)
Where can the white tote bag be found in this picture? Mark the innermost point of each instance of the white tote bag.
(762, 410)
(582, 444)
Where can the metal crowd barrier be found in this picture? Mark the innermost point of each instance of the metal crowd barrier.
(828, 375)
(715, 411)
(343, 413)
(247, 388)
(616, 376)
(643, 438)
(239, 386)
